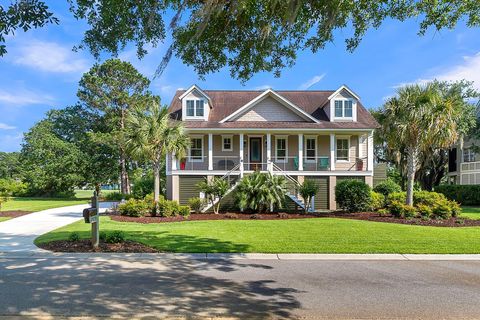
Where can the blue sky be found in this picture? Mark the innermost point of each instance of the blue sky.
(41, 72)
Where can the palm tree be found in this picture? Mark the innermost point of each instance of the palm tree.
(152, 135)
(419, 117)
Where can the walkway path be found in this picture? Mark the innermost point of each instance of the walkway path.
(18, 234)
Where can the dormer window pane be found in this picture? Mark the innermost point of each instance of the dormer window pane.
(190, 108)
(199, 108)
(338, 109)
(348, 108)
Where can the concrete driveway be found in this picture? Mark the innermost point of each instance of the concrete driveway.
(18, 234)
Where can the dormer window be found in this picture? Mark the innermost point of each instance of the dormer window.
(195, 108)
(344, 109)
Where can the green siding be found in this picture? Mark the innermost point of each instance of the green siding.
(188, 187)
(321, 199)
(379, 173)
(350, 178)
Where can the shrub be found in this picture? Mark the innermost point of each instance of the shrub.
(260, 191)
(196, 204)
(73, 237)
(396, 208)
(465, 194)
(387, 187)
(353, 195)
(442, 210)
(377, 201)
(382, 212)
(455, 208)
(117, 196)
(184, 211)
(13, 188)
(134, 208)
(116, 236)
(102, 236)
(396, 196)
(409, 211)
(167, 208)
(427, 198)
(308, 189)
(424, 211)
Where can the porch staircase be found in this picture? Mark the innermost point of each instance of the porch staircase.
(292, 191)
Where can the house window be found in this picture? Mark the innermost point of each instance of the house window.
(343, 109)
(227, 143)
(195, 108)
(468, 155)
(342, 149)
(196, 149)
(310, 148)
(281, 149)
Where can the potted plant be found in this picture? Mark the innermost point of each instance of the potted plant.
(183, 162)
(359, 165)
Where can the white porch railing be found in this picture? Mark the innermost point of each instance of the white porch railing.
(471, 166)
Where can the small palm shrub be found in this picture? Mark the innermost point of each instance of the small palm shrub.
(214, 191)
(73, 237)
(308, 189)
(196, 204)
(134, 208)
(260, 192)
(168, 208)
(377, 201)
(184, 211)
(387, 187)
(353, 195)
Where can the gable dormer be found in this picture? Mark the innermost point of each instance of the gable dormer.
(196, 104)
(342, 105)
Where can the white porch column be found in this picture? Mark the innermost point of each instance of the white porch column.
(370, 151)
(210, 151)
(269, 152)
(300, 152)
(241, 155)
(174, 162)
(332, 151)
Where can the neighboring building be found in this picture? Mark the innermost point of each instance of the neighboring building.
(464, 163)
(321, 135)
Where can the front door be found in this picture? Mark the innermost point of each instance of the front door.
(255, 153)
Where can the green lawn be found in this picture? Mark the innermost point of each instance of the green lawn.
(470, 212)
(4, 218)
(38, 204)
(87, 194)
(322, 235)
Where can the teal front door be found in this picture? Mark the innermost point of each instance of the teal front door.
(255, 153)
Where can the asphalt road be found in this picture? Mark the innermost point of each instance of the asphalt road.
(245, 289)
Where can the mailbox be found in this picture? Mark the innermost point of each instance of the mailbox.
(88, 214)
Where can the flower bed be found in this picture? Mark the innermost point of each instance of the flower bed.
(14, 214)
(85, 245)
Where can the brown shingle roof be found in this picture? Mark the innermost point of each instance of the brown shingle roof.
(225, 102)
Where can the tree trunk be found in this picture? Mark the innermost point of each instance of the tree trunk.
(412, 158)
(97, 188)
(124, 181)
(156, 175)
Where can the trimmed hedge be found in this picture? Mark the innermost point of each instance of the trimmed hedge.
(465, 194)
(353, 195)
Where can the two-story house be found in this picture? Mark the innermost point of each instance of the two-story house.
(322, 135)
(464, 163)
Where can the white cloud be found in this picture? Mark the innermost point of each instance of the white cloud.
(21, 97)
(468, 68)
(4, 126)
(49, 57)
(308, 84)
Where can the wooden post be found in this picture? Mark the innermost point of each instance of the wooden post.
(96, 221)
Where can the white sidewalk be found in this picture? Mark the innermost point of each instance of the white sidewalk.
(18, 234)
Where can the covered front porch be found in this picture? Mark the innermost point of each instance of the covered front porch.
(314, 153)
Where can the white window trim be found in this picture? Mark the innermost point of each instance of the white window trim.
(305, 149)
(190, 148)
(231, 142)
(195, 117)
(470, 152)
(354, 109)
(336, 148)
(285, 137)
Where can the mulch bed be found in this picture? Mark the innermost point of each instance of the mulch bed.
(86, 246)
(369, 216)
(212, 216)
(373, 216)
(14, 214)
